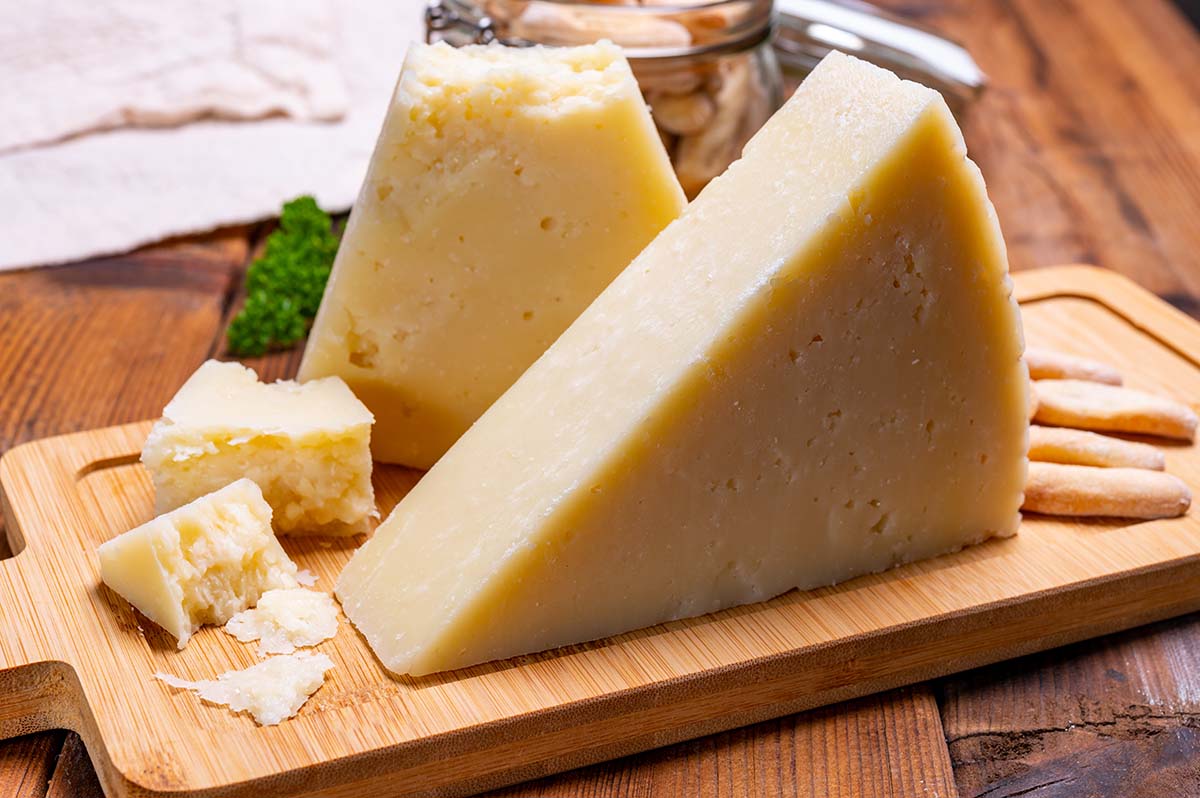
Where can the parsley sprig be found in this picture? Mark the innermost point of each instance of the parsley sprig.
(285, 285)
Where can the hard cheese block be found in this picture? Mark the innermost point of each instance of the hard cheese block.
(202, 563)
(307, 446)
(507, 189)
(814, 373)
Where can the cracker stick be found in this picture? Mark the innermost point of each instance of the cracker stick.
(1055, 489)
(1046, 364)
(1033, 400)
(1062, 445)
(1090, 405)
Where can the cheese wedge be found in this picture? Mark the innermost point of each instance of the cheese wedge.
(508, 188)
(814, 373)
(201, 563)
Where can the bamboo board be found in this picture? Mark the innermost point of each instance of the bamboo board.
(74, 655)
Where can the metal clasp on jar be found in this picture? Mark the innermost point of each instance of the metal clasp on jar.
(444, 19)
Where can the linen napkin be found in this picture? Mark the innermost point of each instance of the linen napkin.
(110, 191)
(69, 68)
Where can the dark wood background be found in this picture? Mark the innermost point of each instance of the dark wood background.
(1090, 141)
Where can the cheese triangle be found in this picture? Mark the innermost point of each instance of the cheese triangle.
(814, 373)
(509, 186)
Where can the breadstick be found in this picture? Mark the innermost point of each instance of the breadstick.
(1045, 364)
(1090, 405)
(1033, 401)
(1062, 445)
(1055, 489)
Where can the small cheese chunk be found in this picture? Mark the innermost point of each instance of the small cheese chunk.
(285, 620)
(307, 446)
(814, 373)
(271, 691)
(201, 563)
(509, 186)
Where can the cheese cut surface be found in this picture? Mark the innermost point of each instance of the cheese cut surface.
(201, 563)
(307, 446)
(508, 187)
(814, 373)
(271, 691)
(284, 620)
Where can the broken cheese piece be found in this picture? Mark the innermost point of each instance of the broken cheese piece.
(307, 446)
(509, 187)
(814, 373)
(201, 563)
(271, 691)
(284, 620)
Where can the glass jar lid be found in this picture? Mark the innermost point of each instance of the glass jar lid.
(673, 29)
(810, 29)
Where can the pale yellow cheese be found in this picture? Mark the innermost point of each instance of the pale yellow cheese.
(287, 619)
(271, 691)
(307, 446)
(814, 373)
(507, 189)
(201, 563)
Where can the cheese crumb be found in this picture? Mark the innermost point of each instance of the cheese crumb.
(285, 620)
(271, 691)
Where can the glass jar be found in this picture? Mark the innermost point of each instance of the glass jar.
(706, 68)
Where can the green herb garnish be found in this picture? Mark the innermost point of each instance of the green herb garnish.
(285, 285)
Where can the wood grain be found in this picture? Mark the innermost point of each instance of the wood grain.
(26, 764)
(1058, 581)
(74, 776)
(1087, 132)
(145, 322)
(1087, 138)
(1119, 716)
(102, 343)
(1113, 717)
(885, 746)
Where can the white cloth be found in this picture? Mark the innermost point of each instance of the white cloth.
(71, 67)
(109, 192)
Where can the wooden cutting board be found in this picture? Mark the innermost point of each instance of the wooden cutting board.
(74, 655)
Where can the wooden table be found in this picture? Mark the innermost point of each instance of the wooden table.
(1090, 140)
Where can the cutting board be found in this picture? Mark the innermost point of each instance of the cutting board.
(74, 655)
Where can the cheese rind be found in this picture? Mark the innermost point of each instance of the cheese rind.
(201, 563)
(307, 446)
(284, 620)
(271, 691)
(508, 187)
(814, 373)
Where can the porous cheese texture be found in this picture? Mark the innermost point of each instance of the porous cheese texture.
(509, 187)
(815, 373)
(284, 620)
(201, 563)
(271, 691)
(307, 446)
